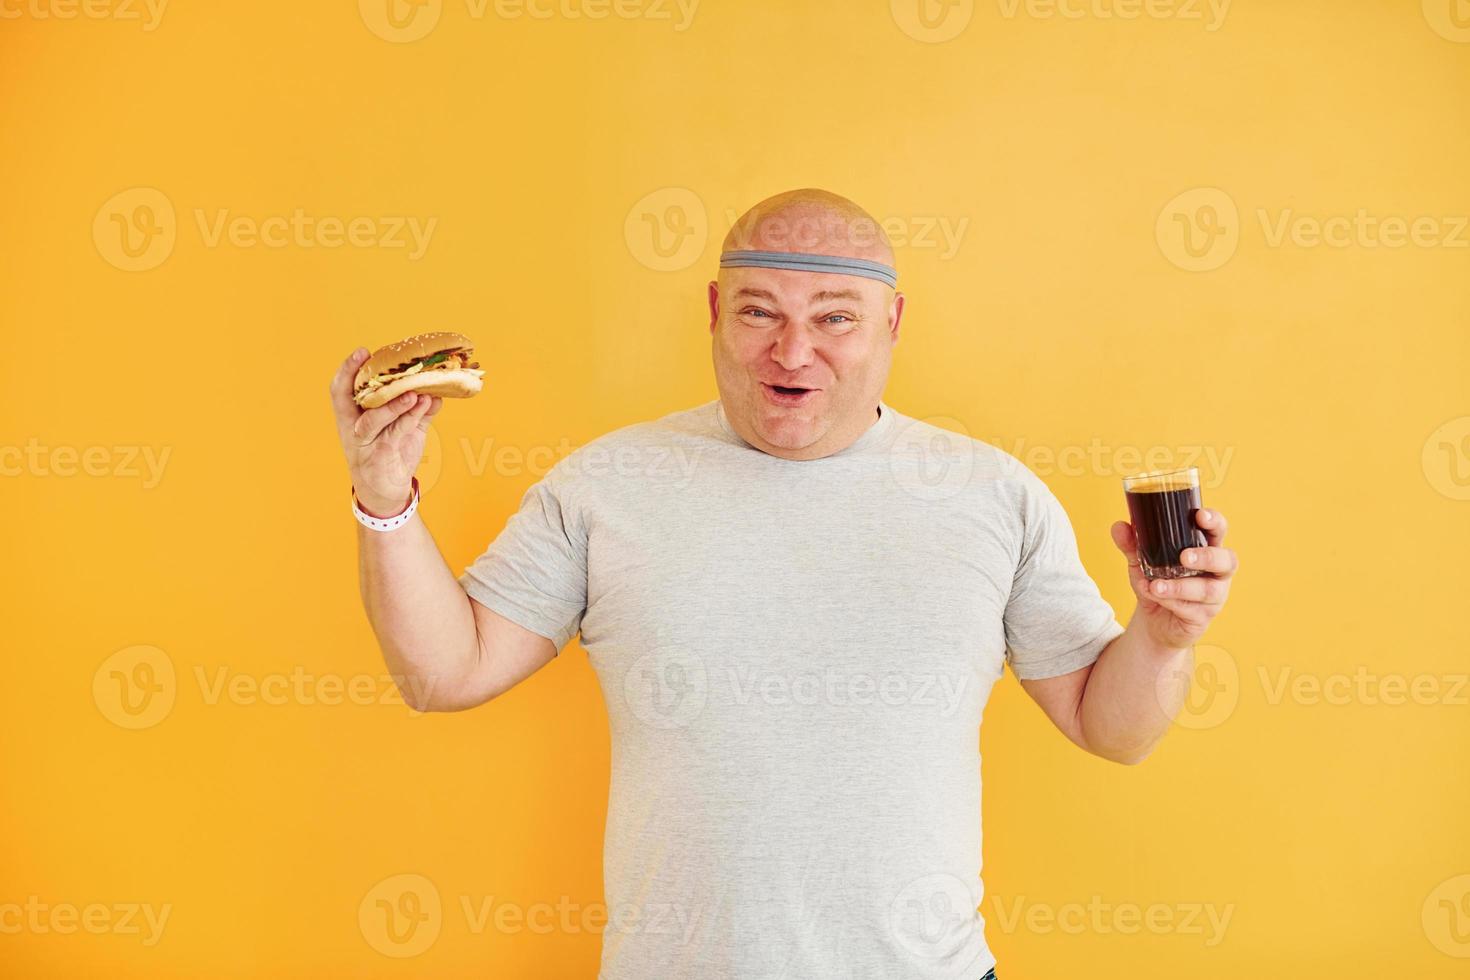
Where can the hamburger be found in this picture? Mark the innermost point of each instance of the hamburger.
(431, 363)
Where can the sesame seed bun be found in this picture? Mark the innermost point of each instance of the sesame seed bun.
(382, 376)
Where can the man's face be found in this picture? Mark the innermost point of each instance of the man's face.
(831, 334)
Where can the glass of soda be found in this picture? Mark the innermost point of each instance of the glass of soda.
(1161, 507)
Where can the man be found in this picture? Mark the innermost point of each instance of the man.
(795, 626)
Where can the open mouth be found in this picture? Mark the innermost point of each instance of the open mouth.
(787, 395)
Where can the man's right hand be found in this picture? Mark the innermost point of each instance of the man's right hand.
(383, 445)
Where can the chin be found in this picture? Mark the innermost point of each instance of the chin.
(788, 431)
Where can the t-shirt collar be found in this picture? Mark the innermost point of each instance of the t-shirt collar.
(870, 435)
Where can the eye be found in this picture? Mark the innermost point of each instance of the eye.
(754, 311)
(835, 318)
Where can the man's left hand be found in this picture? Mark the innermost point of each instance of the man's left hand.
(1176, 612)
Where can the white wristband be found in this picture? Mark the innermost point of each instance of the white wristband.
(386, 523)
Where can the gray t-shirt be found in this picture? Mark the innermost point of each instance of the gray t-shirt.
(795, 656)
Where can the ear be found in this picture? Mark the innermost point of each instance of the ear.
(714, 305)
(895, 314)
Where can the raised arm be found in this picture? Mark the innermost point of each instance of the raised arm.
(446, 651)
(1120, 706)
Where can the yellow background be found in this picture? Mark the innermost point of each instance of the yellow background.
(547, 151)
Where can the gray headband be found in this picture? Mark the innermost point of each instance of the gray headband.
(807, 262)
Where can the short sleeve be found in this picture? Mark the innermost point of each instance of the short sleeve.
(1056, 620)
(535, 571)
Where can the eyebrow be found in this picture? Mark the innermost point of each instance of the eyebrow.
(821, 296)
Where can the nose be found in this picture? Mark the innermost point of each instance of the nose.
(793, 348)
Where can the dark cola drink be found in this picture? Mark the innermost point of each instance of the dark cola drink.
(1162, 508)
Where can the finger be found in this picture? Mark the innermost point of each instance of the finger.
(411, 419)
(344, 408)
(438, 403)
(1124, 538)
(1217, 561)
(1195, 614)
(341, 387)
(1202, 588)
(1214, 524)
(375, 420)
(1127, 542)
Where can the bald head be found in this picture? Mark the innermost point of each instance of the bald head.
(802, 348)
(810, 220)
